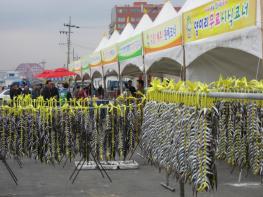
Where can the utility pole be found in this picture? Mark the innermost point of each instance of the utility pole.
(68, 34)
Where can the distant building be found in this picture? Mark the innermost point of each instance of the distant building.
(11, 77)
(29, 70)
(134, 12)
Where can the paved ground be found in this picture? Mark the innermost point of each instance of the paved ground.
(37, 179)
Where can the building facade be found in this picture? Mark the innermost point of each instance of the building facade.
(121, 14)
(29, 70)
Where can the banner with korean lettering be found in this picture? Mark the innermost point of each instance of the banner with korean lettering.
(218, 17)
(95, 59)
(109, 55)
(130, 48)
(164, 36)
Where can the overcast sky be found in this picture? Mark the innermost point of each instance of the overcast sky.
(29, 29)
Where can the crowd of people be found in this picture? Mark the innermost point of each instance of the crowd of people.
(50, 90)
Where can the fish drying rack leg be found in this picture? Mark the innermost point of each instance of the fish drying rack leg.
(12, 174)
(19, 162)
(181, 188)
(167, 184)
(75, 169)
(99, 165)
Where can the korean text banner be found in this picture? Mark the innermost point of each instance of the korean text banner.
(130, 48)
(218, 17)
(109, 55)
(164, 36)
(95, 59)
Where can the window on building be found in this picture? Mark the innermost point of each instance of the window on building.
(121, 19)
(121, 26)
(136, 10)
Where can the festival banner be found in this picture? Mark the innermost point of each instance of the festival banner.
(109, 55)
(95, 60)
(164, 36)
(130, 48)
(217, 17)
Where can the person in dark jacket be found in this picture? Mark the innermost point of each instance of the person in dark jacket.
(50, 91)
(26, 91)
(100, 92)
(131, 88)
(36, 92)
(15, 91)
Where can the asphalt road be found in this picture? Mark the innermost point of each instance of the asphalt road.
(42, 180)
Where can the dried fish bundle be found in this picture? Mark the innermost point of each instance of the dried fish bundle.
(240, 139)
(180, 140)
(49, 133)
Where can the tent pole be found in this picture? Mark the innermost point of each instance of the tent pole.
(143, 62)
(183, 70)
(119, 76)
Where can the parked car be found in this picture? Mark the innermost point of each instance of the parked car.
(5, 95)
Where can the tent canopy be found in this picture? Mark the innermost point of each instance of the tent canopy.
(232, 53)
(102, 43)
(113, 39)
(191, 4)
(209, 66)
(131, 70)
(144, 24)
(127, 32)
(156, 59)
(167, 13)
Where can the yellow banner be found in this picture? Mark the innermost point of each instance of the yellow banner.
(217, 17)
(95, 59)
(109, 55)
(164, 36)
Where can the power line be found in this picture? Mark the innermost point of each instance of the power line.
(68, 34)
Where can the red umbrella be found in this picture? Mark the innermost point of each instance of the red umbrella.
(44, 74)
(61, 72)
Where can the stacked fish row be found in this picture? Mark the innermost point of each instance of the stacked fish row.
(240, 135)
(50, 134)
(182, 141)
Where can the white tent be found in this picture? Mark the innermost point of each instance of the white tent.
(96, 71)
(109, 50)
(135, 65)
(168, 59)
(237, 53)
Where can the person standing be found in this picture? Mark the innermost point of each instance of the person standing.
(83, 93)
(64, 93)
(15, 91)
(76, 91)
(36, 92)
(26, 91)
(131, 88)
(140, 88)
(50, 91)
(100, 92)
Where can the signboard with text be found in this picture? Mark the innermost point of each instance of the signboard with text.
(109, 55)
(130, 48)
(218, 17)
(95, 59)
(164, 36)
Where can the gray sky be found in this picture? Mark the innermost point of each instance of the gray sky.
(29, 29)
